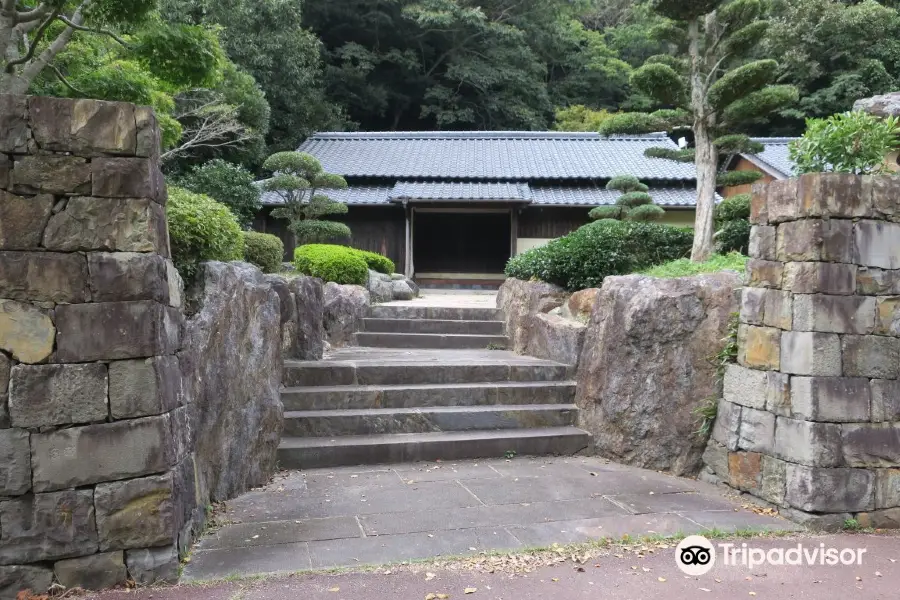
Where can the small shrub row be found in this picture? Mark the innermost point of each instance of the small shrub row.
(263, 250)
(585, 257)
(340, 264)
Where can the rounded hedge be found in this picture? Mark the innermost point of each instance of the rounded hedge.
(201, 229)
(329, 262)
(377, 262)
(263, 250)
(585, 257)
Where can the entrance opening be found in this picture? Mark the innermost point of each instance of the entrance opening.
(461, 242)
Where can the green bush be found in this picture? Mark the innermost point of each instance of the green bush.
(230, 184)
(851, 142)
(263, 250)
(339, 264)
(377, 262)
(201, 229)
(585, 257)
(684, 267)
(733, 224)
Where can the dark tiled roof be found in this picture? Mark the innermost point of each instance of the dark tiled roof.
(498, 155)
(774, 159)
(586, 195)
(454, 190)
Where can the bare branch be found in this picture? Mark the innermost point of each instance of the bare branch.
(38, 36)
(34, 67)
(209, 122)
(35, 14)
(79, 27)
(66, 82)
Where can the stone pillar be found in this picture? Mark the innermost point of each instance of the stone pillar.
(96, 472)
(810, 419)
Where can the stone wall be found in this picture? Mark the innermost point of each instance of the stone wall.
(647, 367)
(96, 470)
(810, 420)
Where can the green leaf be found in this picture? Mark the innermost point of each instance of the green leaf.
(736, 178)
(739, 82)
(632, 123)
(760, 103)
(661, 82)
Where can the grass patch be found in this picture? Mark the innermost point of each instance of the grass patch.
(683, 267)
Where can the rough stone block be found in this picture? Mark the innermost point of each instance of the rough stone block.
(884, 192)
(783, 199)
(747, 387)
(124, 178)
(871, 444)
(83, 127)
(5, 169)
(149, 142)
(715, 456)
(764, 273)
(874, 282)
(885, 400)
(820, 278)
(16, 578)
(5, 366)
(887, 320)
(772, 480)
(759, 347)
(726, 429)
(144, 387)
(125, 276)
(759, 204)
(841, 195)
(772, 308)
(22, 220)
(136, 513)
(816, 240)
(94, 572)
(887, 488)
(15, 462)
(877, 244)
(871, 356)
(47, 526)
(811, 353)
(127, 225)
(51, 174)
(153, 565)
(757, 431)
(826, 523)
(4, 412)
(116, 330)
(14, 124)
(84, 455)
(26, 332)
(834, 399)
(880, 519)
(834, 314)
(47, 395)
(778, 393)
(43, 277)
(807, 443)
(762, 242)
(830, 490)
(744, 470)
(176, 286)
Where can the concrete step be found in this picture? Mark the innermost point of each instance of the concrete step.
(451, 326)
(309, 453)
(356, 397)
(441, 341)
(335, 373)
(444, 313)
(324, 423)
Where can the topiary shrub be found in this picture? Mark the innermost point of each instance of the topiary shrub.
(585, 257)
(201, 229)
(732, 219)
(377, 262)
(230, 184)
(329, 262)
(263, 250)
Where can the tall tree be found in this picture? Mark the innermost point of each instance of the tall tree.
(710, 83)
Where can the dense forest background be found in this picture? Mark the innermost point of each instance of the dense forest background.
(287, 68)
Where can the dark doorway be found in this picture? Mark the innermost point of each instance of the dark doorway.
(461, 242)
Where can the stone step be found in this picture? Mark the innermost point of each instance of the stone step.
(309, 453)
(451, 326)
(332, 373)
(430, 340)
(444, 313)
(324, 423)
(356, 397)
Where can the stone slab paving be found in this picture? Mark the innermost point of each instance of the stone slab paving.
(451, 298)
(350, 517)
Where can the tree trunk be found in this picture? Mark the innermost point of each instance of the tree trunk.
(707, 168)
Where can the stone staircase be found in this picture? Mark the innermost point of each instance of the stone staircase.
(424, 385)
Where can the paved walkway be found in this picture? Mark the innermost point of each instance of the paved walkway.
(357, 516)
(616, 576)
(452, 298)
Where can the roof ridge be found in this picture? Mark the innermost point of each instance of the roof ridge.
(475, 135)
(774, 140)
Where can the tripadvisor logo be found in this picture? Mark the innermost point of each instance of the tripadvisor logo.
(695, 556)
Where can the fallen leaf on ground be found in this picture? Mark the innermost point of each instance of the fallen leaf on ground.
(429, 576)
(662, 579)
(471, 590)
(334, 589)
(705, 590)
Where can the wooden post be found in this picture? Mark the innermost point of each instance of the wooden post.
(514, 233)
(408, 267)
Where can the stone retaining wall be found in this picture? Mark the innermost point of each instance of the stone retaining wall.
(96, 470)
(810, 420)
